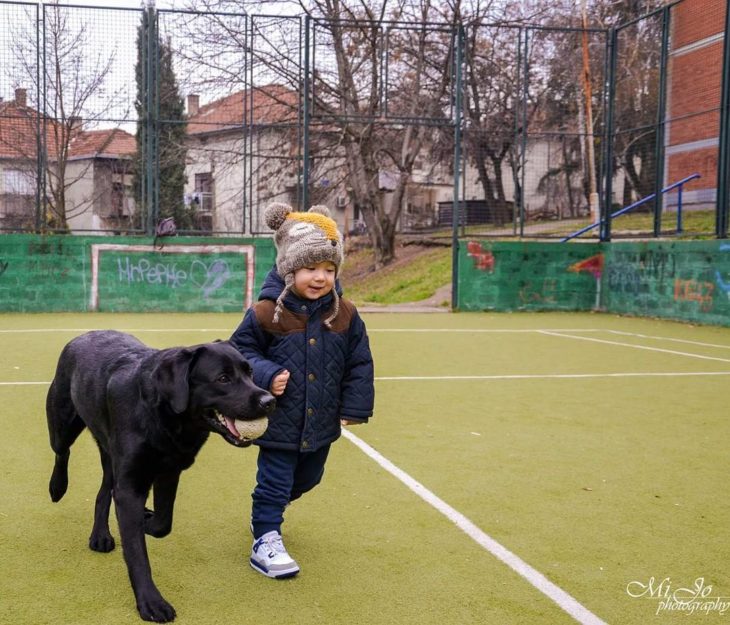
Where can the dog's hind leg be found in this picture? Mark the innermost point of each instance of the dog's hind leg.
(101, 538)
(64, 427)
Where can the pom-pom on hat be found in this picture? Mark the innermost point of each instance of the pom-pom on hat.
(301, 239)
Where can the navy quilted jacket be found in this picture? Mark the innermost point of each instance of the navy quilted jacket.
(331, 369)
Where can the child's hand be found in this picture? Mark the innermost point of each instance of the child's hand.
(349, 422)
(278, 384)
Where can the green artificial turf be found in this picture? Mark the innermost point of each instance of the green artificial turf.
(595, 482)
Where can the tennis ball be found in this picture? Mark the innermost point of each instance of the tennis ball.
(251, 429)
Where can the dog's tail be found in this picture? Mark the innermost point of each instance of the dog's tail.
(64, 427)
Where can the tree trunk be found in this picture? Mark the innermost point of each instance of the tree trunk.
(502, 210)
(568, 185)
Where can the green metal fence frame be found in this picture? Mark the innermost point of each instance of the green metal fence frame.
(151, 124)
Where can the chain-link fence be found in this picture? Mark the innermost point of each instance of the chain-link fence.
(534, 118)
(113, 118)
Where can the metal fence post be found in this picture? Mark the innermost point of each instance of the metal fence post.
(523, 142)
(149, 144)
(458, 104)
(660, 123)
(723, 161)
(306, 114)
(517, 139)
(40, 191)
(605, 229)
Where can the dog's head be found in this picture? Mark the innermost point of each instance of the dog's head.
(212, 384)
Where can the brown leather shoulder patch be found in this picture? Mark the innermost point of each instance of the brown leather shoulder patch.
(289, 322)
(341, 323)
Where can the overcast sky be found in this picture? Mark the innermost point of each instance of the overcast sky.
(161, 4)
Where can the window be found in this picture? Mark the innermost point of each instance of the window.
(203, 195)
(18, 182)
(119, 201)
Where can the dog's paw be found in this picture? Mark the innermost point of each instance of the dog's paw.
(155, 609)
(102, 542)
(153, 526)
(58, 484)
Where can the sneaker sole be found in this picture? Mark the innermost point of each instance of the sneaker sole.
(283, 574)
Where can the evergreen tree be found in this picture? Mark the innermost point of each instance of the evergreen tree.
(165, 151)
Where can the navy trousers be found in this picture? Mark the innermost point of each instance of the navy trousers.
(282, 477)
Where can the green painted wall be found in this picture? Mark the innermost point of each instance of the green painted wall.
(82, 273)
(500, 275)
(688, 280)
(685, 280)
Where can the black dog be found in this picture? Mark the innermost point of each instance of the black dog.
(150, 412)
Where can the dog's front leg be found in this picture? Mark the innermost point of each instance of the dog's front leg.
(130, 514)
(158, 523)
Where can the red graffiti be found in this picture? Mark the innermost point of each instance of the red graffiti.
(593, 264)
(483, 259)
(540, 293)
(694, 291)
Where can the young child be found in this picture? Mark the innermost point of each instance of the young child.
(310, 349)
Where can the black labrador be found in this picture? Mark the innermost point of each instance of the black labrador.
(150, 412)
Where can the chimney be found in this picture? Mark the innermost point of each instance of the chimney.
(75, 123)
(20, 97)
(193, 104)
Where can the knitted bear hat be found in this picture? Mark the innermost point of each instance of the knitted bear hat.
(304, 239)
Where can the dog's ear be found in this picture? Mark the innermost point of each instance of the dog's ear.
(171, 378)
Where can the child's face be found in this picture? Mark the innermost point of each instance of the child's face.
(316, 280)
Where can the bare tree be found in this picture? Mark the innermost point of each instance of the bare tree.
(366, 123)
(72, 84)
(414, 94)
(636, 95)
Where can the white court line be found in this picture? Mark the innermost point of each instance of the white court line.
(668, 338)
(519, 566)
(516, 376)
(646, 347)
(25, 383)
(482, 330)
(548, 376)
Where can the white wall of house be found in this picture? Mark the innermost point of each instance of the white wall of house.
(551, 198)
(80, 194)
(269, 175)
(221, 158)
(90, 201)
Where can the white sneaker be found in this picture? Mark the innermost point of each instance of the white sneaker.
(269, 556)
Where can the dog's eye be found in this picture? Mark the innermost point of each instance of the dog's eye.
(223, 379)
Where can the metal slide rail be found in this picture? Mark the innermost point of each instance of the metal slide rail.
(679, 184)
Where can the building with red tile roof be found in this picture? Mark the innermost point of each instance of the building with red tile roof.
(243, 152)
(97, 170)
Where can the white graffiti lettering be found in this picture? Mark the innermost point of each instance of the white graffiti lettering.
(208, 278)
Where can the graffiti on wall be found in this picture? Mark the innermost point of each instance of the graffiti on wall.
(483, 259)
(722, 284)
(539, 291)
(594, 266)
(208, 277)
(694, 291)
(178, 277)
(631, 271)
